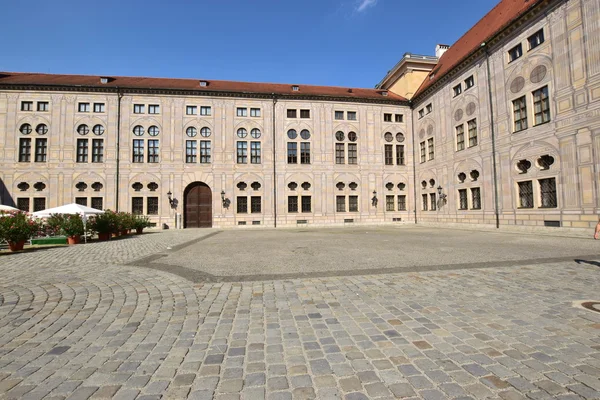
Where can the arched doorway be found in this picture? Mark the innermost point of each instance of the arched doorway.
(197, 204)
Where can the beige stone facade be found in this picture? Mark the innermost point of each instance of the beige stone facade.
(544, 174)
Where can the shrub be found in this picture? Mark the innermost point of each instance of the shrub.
(54, 223)
(72, 225)
(141, 222)
(103, 223)
(17, 227)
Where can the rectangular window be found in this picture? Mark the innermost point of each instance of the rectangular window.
(340, 157)
(292, 153)
(460, 137)
(399, 117)
(429, 108)
(97, 203)
(525, 194)
(353, 203)
(340, 203)
(42, 106)
(255, 204)
(83, 107)
(390, 203)
(515, 53)
(541, 106)
(351, 115)
(205, 110)
(432, 201)
(24, 150)
(305, 153)
(191, 110)
(39, 204)
(255, 152)
(469, 82)
(387, 117)
(352, 153)
(457, 89)
(402, 202)
(421, 113)
(138, 108)
(255, 112)
(476, 198)
(153, 109)
(389, 154)
(191, 151)
(472, 124)
(242, 152)
(138, 150)
(292, 204)
(41, 148)
(137, 205)
(291, 113)
(242, 205)
(82, 201)
(431, 149)
(424, 198)
(152, 205)
(536, 39)
(462, 199)
(97, 150)
(548, 193)
(242, 112)
(399, 154)
(153, 150)
(304, 113)
(423, 159)
(23, 204)
(520, 113)
(339, 115)
(27, 106)
(98, 107)
(205, 152)
(82, 150)
(306, 204)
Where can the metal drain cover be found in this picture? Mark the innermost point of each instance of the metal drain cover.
(591, 305)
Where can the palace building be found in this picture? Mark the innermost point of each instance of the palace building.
(500, 128)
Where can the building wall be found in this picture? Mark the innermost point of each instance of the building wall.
(62, 175)
(570, 56)
(409, 82)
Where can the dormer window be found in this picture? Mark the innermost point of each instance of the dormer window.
(384, 93)
(295, 88)
(203, 83)
(104, 79)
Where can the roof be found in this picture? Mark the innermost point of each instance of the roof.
(91, 81)
(406, 58)
(492, 23)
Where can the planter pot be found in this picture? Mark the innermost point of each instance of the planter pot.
(104, 236)
(124, 232)
(73, 239)
(116, 234)
(16, 246)
(139, 230)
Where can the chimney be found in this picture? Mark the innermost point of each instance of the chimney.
(441, 49)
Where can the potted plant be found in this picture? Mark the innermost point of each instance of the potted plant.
(16, 228)
(54, 223)
(72, 227)
(103, 224)
(140, 222)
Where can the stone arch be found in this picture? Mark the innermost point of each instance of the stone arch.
(532, 151)
(145, 178)
(146, 122)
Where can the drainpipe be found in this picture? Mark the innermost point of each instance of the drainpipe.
(412, 121)
(119, 95)
(489, 79)
(274, 167)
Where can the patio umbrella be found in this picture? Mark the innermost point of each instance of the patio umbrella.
(7, 208)
(72, 208)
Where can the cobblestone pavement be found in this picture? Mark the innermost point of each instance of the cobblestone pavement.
(80, 323)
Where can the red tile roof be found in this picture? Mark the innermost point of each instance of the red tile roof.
(493, 22)
(20, 78)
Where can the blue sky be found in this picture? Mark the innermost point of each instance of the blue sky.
(323, 42)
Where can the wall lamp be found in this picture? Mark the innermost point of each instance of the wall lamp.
(225, 201)
(441, 195)
(172, 202)
(374, 199)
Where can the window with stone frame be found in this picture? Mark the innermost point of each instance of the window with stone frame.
(340, 203)
(340, 156)
(351, 115)
(472, 125)
(39, 204)
(541, 106)
(242, 205)
(191, 110)
(153, 151)
(292, 153)
(306, 204)
(338, 115)
(42, 106)
(24, 150)
(191, 151)
(389, 154)
(98, 107)
(304, 113)
(460, 137)
(23, 204)
(153, 109)
(41, 149)
(138, 108)
(137, 205)
(82, 201)
(525, 194)
(423, 152)
(399, 118)
(463, 201)
(83, 107)
(242, 152)
(205, 110)
(205, 152)
(292, 204)
(82, 150)
(304, 152)
(520, 114)
(97, 203)
(353, 203)
(352, 153)
(138, 150)
(255, 153)
(402, 202)
(425, 201)
(476, 198)
(97, 150)
(255, 112)
(515, 52)
(548, 193)
(390, 203)
(152, 205)
(27, 106)
(255, 204)
(399, 154)
(433, 201)
(431, 149)
(291, 113)
(536, 39)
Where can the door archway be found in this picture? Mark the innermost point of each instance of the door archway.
(197, 205)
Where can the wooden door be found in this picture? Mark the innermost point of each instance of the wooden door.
(198, 206)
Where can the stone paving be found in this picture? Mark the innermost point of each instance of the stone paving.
(83, 322)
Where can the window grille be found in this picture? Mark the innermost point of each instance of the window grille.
(292, 204)
(424, 196)
(97, 203)
(306, 204)
(255, 204)
(242, 205)
(389, 203)
(340, 203)
(402, 203)
(39, 204)
(433, 201)
(137, 205)
(525, 194)
(548, 192)
(476, 198)
(353, 203)
(152, 205)
(462, 199)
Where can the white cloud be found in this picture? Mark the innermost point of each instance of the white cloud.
(364, 4)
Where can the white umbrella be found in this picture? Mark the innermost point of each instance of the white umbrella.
(72, 208)
(7, 208)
